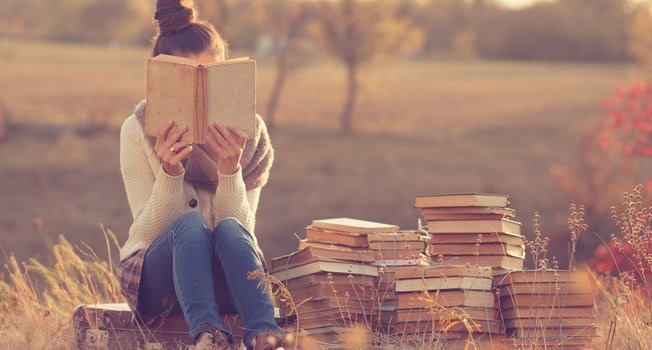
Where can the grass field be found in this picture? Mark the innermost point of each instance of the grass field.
(425, 126)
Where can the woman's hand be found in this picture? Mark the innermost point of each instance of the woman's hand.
(227, 145)
(171, 150)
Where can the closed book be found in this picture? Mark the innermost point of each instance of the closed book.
(497, 262)
(445, 298)
(323, 266)
(399, 236)
(536, 276)
(544, 288)
(442, 314)
(354, 225)
(559, 300)
(309, 253)
(462, 200)
(495, 237)
(554, 332)
(436, 271)
(442, 283)
(547, 312)
(357, 240)
(471, 248)
(550, 322)
(505, 226)
(418, 245)
(503, 211)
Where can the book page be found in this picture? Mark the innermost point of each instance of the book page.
(171, 95)
(231, 94)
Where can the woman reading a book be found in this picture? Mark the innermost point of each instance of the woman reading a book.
(192, 243)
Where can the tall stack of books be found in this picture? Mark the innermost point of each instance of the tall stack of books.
(473, 228)
(455, 302)
(547, 308)
(332, 278)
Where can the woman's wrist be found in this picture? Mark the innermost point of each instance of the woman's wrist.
(227, 168)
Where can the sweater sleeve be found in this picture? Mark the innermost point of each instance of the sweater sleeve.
(233, 200)
(155, 198)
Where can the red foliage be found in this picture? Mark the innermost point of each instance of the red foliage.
(630, 109)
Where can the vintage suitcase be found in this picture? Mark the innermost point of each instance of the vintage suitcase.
(111, 326)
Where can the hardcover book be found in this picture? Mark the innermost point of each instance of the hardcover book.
(195, 95)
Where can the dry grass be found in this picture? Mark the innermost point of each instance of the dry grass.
(36, 301)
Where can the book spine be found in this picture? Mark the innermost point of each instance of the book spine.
(201, 119)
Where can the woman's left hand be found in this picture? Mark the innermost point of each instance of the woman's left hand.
(227, 143)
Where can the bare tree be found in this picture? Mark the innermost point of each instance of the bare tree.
(287, 52)
(357, 31)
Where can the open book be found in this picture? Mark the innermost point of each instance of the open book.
(195, 95)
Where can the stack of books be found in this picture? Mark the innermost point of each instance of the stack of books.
(393, 251)
(332, 278)
(455, 302)
(547, 307)
(474, 228)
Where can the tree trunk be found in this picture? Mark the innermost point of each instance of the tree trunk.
(279, 82)
(346, 122)
(294, 31)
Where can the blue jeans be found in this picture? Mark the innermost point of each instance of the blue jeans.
(201, 273)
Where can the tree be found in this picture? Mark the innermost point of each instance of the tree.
(639, 33)
(357, 31)
(292, 27)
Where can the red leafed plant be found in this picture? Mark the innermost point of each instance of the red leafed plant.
(630, 109)
(630, 131)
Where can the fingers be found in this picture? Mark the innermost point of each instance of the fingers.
(241, 137)
(163, 133)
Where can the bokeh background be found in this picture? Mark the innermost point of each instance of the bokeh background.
(369, 103)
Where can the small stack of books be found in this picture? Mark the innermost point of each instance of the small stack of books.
(474, 228)
(547, 307)
(455, 301)
(332, 278)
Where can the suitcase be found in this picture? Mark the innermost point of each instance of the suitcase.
(111, 326)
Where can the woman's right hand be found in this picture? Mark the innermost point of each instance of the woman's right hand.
(171, 150)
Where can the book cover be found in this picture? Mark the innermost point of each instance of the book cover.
(506, 226)
(195, 95)
(462, 200)
(354, 225)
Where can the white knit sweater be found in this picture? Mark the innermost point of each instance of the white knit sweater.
(156, 199)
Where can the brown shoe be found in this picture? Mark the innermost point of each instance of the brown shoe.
(213, 341)
(266, 341)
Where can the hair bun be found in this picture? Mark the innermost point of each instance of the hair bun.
(174, 15)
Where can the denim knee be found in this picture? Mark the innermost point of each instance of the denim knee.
(229, 231)
(189, 225)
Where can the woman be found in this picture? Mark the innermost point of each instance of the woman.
(191, 244)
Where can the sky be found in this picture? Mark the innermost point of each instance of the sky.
(517, 3)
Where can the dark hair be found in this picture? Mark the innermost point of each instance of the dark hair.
(180, 32)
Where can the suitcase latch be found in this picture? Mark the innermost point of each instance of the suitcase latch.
(96, 339)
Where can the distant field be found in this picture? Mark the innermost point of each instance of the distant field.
(425, 127)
